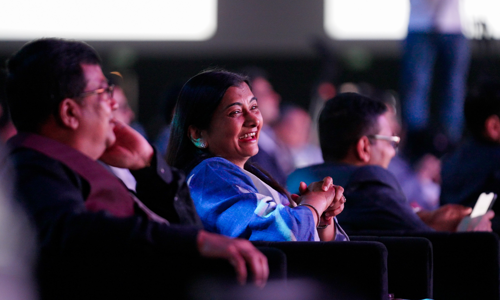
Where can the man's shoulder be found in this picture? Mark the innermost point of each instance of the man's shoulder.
(28, 162)
(24, 157)
(372, 173)
(374, 180)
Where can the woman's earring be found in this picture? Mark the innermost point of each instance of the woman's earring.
(200, 143)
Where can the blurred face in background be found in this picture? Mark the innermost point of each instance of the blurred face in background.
(124, 113)
(269, 100)
(294, 128)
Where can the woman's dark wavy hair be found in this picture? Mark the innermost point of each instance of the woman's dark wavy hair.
(198, 99)
(41, 75)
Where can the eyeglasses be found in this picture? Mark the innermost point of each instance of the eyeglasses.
(394, 140)
(107, 90)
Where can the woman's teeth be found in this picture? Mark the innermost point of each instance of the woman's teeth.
(247, 135)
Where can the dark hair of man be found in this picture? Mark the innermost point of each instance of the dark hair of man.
(41, 75)
(198, 99)
(344, 120)
(482, 101)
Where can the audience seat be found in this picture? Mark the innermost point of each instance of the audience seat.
(409, 264)
(466, 264)
(343, 270)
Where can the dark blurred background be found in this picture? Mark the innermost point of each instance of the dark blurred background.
(286, 38)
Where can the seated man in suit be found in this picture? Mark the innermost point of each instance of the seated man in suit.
(357, 144)
(96, 239)
(474, 167)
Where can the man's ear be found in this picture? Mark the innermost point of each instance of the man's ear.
(363, 149)
(492, 128)
(69, 113)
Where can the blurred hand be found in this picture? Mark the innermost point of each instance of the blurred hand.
(481, 223)
(446, 217)
(130, 150)
(238, 252)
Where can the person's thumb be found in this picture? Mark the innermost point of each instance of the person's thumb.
(466, 211)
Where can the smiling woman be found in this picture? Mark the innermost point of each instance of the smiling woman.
(215, 131)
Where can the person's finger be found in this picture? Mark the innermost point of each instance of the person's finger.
(257, 262)
(265, 270)
(339, 192)
(335, 212)
(338, 210)
(302, 188)
(238, 262)
(467, 211)
(262, 271)
(327, 183)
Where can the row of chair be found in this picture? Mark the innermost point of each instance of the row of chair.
(373, 266)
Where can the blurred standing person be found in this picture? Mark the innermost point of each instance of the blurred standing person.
(434, 33)
(273, 157)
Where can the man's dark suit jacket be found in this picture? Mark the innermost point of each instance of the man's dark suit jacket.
(374, 198)
(86, 254)
(470, 170)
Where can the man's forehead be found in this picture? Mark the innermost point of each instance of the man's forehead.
(384, 124)
(93, 74)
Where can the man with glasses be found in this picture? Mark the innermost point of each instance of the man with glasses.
(96, 239)
(358, 144)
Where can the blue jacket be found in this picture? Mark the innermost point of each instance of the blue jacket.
(229, 203)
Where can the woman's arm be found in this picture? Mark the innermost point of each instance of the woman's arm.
(229, 203)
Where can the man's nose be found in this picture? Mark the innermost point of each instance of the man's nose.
(113, 103)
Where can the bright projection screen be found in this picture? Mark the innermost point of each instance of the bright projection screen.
(388, 19)
(129, 20)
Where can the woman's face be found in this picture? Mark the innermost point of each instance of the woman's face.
(235, 126)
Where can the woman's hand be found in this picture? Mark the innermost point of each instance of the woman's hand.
(130, 150)
(327, 199)
(335, 208)
(333, 194)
